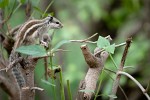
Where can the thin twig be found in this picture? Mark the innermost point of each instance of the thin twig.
(81, 41)
(118, 45)
(47, 8)
(90, 37)
(99, 85)
(85, 40)
(112, 59)
(116, 82)
(12, 12)
(119, 85)
(109, 70)
(121, 44)
(36, 88)
(123, 92)
(49, 54)
(135, 81)
(61, 50)
(128, 42)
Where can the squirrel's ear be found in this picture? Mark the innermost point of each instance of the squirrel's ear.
(50, 18)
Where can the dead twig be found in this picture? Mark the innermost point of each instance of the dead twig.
(87, 40)
(116, 82)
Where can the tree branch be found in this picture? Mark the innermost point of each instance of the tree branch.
(87, 40)
(135, 81)
(96, 65)
(116, 82)
(9, 88)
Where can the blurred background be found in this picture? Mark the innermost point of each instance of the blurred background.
(82, 18)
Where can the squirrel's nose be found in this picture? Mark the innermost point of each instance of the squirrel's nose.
(61, 26)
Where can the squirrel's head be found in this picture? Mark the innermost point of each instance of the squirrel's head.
(53, 23)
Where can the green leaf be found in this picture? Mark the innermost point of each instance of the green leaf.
(48, 83)
(4, 3)
(110, 48)
(60, 44)
(34, 50)
(22, 1)
(85, 90)
(51, 13)
(102, 42)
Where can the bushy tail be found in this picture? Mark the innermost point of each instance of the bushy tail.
(15, 69)
(18, 76)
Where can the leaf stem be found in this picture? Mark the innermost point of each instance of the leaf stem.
(62, 86)
(16, 8)
(51, 65)
(47, 8)
(99, 85)
(112, 59)
(69, 90)
(126, 98)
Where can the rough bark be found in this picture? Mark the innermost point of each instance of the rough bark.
(96, 63)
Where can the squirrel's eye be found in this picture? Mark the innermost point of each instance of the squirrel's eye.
(57, 22)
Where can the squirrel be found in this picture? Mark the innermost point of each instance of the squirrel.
(26, 34)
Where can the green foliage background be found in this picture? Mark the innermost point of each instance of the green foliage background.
(81, 19)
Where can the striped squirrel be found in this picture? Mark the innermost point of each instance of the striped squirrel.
(30, 31)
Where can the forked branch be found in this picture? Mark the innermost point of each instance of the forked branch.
(96, 64)
(116, 82)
